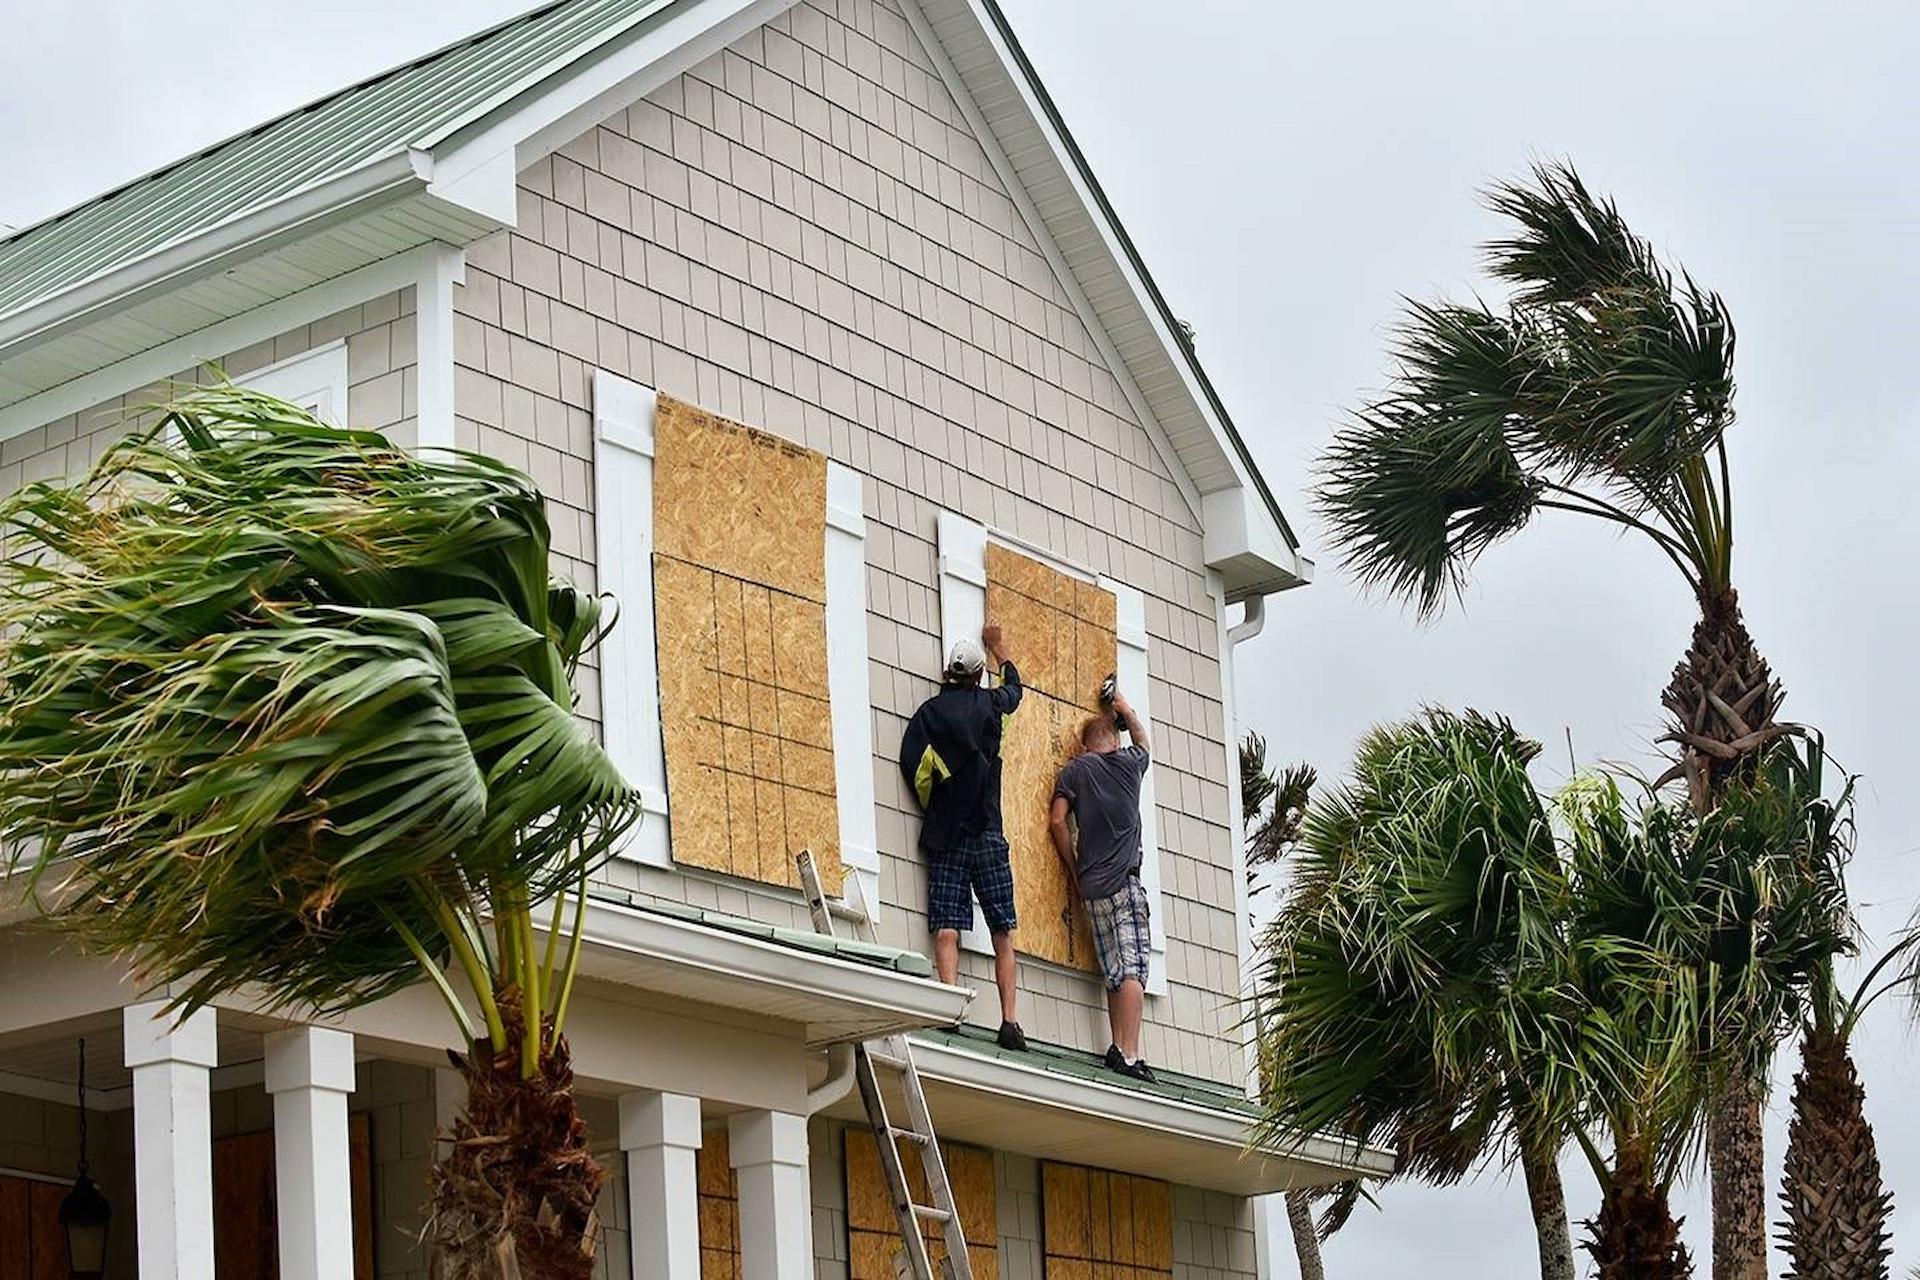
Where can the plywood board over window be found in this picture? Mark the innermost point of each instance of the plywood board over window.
(1061, 631)
(740, 607)
(873, 1233)
(719, 1189)
(1099, 1225)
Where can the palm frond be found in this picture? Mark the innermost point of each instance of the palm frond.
(273, 689)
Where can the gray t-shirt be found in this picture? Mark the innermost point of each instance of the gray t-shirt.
(1102, 791)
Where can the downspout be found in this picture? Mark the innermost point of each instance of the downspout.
(838, 1083)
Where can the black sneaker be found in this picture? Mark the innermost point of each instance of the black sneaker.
(1115, 1060)
(1139, 1070)
(1011, 1037)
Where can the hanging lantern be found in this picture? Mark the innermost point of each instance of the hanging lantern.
(85, 1213)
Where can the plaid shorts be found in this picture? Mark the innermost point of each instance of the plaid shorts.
(976, 867)
(1122, 936)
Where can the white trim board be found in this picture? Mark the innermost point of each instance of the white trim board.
(963, 611)
(623, 421)
(314, 380)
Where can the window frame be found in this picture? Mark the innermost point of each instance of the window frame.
(963, 608)
(623, 456)
(316, 380)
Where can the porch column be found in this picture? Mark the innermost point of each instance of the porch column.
(309, 1077)
(769, 1153)
(172, 1139)
(660, 1134)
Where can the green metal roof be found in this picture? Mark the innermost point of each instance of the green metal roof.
(911, 963)
(416, 105)
(1075, 1063)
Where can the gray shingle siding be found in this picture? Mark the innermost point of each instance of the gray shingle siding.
(802, 233)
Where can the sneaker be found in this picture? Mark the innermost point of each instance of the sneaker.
(1139, 1070)
(1115, 1060)
(1011, 1037)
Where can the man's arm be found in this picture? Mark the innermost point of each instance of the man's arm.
(1006, 695)
(1063, 841)
(1136, 729)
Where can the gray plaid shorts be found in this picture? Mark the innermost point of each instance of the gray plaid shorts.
(1122, 933)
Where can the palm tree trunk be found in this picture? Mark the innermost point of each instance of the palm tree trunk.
(1306, 1237)
(1836, 1205)
(1723, 699)
(1548, 1200)
(512, 1193)
(1636, 1236)
(1736, 1161)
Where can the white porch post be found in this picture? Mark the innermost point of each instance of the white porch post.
(172, 1139)
(309, 1077)
(660, 1133)
(768, 1151)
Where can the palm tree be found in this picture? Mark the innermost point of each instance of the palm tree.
(1413, 994)
(1602, 387)
(289, 710)
(1835, 1203)
(1273, 805)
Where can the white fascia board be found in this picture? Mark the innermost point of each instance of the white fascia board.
(1226, 1130)
(476, 165)
(208, 251)
(842, 991)
(216, 341)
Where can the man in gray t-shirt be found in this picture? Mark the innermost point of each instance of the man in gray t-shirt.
(1099, 789)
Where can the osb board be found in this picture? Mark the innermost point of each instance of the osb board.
(719, 1191)
(32, 1244)
(739, 501)
(873, 1235)
(246, 1232)
(741, 628)
(1061, 632)
(1099, 1225)
(1060, 628)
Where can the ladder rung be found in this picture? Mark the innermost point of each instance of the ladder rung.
(910, 1135)
(881, 1057)
(930, 1213)
(841, 911)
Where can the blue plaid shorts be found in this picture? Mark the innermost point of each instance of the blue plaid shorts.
(1122, 933)
(976, 867)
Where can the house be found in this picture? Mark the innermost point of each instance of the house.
(577, 242)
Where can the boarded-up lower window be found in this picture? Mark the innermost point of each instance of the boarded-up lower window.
(1105, 1226)
(740, 614)
(719, 1208)
(1061, 631)
(32, 1245)
(873, 1234)
(246, 1230)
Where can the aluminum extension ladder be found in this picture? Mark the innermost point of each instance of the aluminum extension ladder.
(893, 1052)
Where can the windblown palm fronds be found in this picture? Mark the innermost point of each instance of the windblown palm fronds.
(288, 711)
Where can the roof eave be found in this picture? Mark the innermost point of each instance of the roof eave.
(375, 184)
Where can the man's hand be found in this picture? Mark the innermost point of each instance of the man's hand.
(1121, 707)
(992, 641)
(1136, 730)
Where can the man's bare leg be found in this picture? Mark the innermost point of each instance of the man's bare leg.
(1003, 974)
(946, 955)
(1123, 1016)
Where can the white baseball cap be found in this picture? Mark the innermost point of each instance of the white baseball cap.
(965, 660)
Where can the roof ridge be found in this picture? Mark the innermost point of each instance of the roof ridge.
(10, 239)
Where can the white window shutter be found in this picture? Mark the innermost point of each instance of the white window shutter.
(629, 670)
(847, 686)
(1130, 633)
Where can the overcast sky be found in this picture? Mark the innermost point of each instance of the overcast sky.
(1288, 171)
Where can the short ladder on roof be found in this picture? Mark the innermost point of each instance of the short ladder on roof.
(893, 1052)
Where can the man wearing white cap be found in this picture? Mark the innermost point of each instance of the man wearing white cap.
(950, 756)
